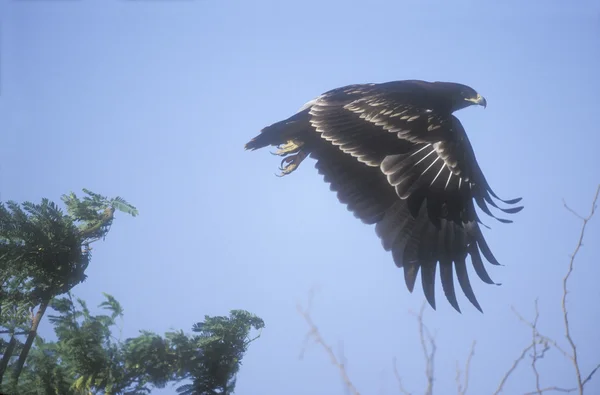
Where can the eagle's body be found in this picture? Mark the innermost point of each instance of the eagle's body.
(398, 158)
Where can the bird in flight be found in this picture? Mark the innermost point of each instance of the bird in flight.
(398, 158)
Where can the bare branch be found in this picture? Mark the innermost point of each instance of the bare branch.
(425, 335)
(585, 220)
(575, 213)
(540, 336)
(254, 338)
(462, 388)
(316, 335)
(534, 342)
(589, 377)
(548, 389)
(399, 380)
(459, 390)
(426, 338)
(512, 368)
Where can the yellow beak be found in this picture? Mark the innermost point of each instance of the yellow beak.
(480, 100)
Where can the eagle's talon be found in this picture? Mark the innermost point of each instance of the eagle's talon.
(291, 163)
(291, 147)
(287, 160)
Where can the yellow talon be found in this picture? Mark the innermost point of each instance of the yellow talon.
(292, 146)
(291, 163)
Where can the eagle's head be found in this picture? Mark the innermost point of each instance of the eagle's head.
(460, 96)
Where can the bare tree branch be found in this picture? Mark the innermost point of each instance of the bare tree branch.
(512, 368)
(399, 380)
(534, 343)
(565, 390)
(457, 379)
(539, 345)
(585, 221)
(316, 335)
(538, 338)
(463, 387)
(589, 376)
(548, 389)
(575, 213)
(425, 336)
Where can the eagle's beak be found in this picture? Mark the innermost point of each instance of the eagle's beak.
(480, 100)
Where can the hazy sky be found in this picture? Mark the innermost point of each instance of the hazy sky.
(154, 100)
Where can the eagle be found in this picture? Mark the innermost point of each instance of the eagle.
(398, 158)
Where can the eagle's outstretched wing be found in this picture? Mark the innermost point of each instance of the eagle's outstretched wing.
(399, 159)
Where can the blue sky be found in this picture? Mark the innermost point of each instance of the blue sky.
(154, 100)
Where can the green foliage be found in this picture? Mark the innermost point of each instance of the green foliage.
(220, 344)
(41, 252)
(44, 373)
(95, 212)
(151, 358)
(86, 347)
(16, 316)
(86, 210)
(44, 253)
(87, 359)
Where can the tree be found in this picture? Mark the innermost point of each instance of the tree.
(87, 358)
(43, 254)
(219, 348)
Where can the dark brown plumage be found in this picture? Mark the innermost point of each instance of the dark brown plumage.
(398, 158)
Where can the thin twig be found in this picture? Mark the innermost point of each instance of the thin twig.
(589, 376)
(459, 390)
(537, 337)
(575, 213)
(314, 333)
(565, 390)
(429, 355)
(247, 342)
(585, 221)
(540, 336)
(534, 342)
(465, 387)
(399, 380)
(548, 389)
(512, 368)
(343, 361)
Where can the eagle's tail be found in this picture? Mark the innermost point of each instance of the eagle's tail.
(290, 136)
(281, 132)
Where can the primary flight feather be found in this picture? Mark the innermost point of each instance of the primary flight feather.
(398, 158)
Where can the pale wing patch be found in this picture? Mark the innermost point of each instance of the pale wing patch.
(430, 165)
(333, 126)
(410, 123)
(309, 104)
